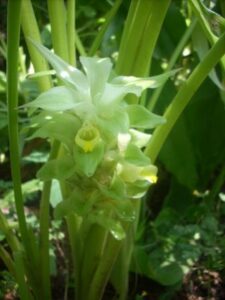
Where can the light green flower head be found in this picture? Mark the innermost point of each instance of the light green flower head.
(102, 135)
(95, 100)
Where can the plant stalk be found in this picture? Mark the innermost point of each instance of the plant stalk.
(71, 6)
(13, 33)
(57, 16)
(6, 258)
(104, 269)
(142, 28)
(24, 291)
(94, 241)
(30, 30)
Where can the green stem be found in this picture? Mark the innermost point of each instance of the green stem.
(57, 15)
(222, 4)
(13, 34)
(24, 291)
(120, 273)
(79, 45)
(104, 269)
(71, 31)
(108, 19)
(6, 258)
(30, 30)
(94, 241)
(183, 97)
(73, 225)
(44, 231)
(140, 34)
(173, 59)
(10, 236)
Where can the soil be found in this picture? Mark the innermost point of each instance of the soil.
(198, 285)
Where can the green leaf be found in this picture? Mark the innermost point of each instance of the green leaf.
(29, 187)
(3, 120)
(40, 74)
(68, 74)
(57, 99)
(115, 191)
(111, 224)
(140, 117)
(143, 83)
(76, 203)
(62, 127)
(135, 156)
(171, 33)
(178, 155)
(60, 168)
(163, 271)
(201, 46)
(97, 70)
(216, 21)
(126, 210)
(87, 162)
(168, 274)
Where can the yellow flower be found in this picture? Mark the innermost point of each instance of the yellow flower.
(131, 173)
(148, 173)
(87, 137)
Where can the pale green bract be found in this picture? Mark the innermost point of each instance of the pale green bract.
(103, 166)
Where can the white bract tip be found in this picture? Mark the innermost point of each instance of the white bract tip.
(123, 141)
